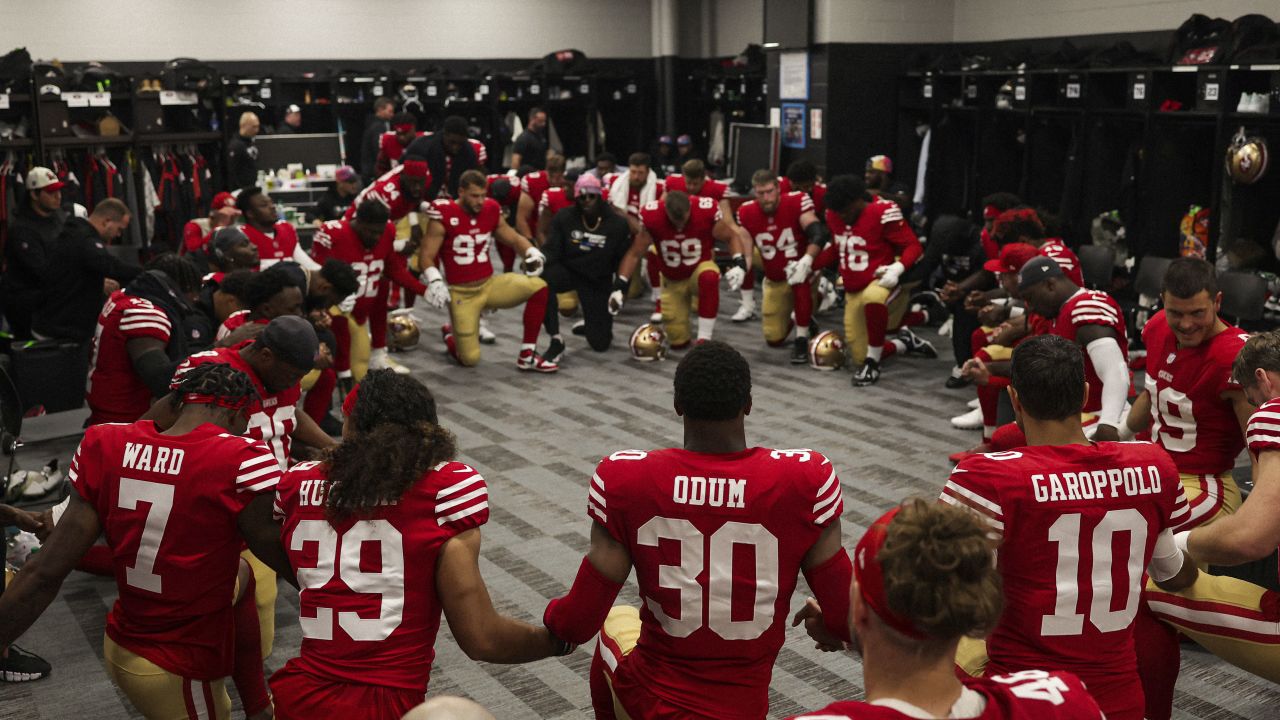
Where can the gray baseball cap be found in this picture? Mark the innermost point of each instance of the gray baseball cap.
(1038, 269)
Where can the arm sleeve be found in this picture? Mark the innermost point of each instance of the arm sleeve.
(900, 235)
(827, 256)
(300, 256)
(554, 247)
(1166, 559)
(83, 472)
(98, 259)
(398, 271)
(1108, 362)
(1263, 431)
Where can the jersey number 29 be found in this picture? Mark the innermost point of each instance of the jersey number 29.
(343, 555)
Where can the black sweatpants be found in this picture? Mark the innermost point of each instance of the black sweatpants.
(593, 298)
(963, 323)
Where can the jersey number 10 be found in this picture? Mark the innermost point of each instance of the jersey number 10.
(1065, 532)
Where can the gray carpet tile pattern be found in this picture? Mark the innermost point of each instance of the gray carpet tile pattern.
(536, 440)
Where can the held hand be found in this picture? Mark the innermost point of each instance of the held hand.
(734, 276)
(1105, 433)
(798, 270)
(616, 298)
(976, 370)
(811, 616)
(438, 294)
(975, 300)
(534, 262)
(950, 292)
(889, 274)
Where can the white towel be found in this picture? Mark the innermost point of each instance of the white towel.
(621, 190)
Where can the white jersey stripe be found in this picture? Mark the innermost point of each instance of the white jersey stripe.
(830, 498)
(595, 511)
(826, 515)
(967, 494)
(458, 487)
(826, 485)
(258, 460)
(597, 497)
(994, 523)
(248, 477)
(462, 499)
(269, 482)
(166, 329)
(463, 513)
(1213, 618)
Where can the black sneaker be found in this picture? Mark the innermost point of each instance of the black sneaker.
(580, 328)
(915, 345)
(866, 375)
(800, 351)
(956, 381)
(22, 666)
(555, 351)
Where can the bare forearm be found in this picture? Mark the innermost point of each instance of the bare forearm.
(24, 601)
(1231, 542)
(511, 641)
(1140, 414)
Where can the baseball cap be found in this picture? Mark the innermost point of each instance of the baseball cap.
(1036, 270)
(664, 140)
(293, 340)
(416, 168)
(222, 200)
(587, 185)
(881, 163)
(225, 237)
(42, 178)
(1012, 257)
(684, 140)
(346, 173)
(292, 109)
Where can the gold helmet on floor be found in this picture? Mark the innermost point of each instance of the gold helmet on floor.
(649, 342)
(826, 351)
(402, 331)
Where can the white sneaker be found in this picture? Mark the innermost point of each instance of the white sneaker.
(746, 311)
(379, 360)
(486, 335)
(971, 420)
(975, 403)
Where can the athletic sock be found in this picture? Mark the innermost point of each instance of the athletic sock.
(705, 327)
(874, 353)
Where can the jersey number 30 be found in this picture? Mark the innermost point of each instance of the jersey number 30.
(697, 552)
(343, 555)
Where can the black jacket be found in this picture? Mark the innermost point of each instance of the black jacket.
(242, 162)
(369, 142)
(445, 171)
(593, 255)
(27, 252)
(72, 298)
(532, 148)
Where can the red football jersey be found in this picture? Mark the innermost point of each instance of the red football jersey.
(1189, 417)
(465, 253)
(818, 194)
(1066, 259)
(877, 236)
(713, 189)
(779, 237)
(235, 321)
(273, 418)
(168, 506)
(682, 250)
(482, 153)
(1263, 431)
(513, 194)
(337, 239)
(1026, 695)
(114, 391)
(1078, 526)
(716, 541)
(368, 605)
(194, 237)
(386, 190)
(274, 247)
(553, 201)
(390, 149)
(1091, 307)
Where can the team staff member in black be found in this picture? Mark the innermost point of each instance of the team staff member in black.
(242, 154)
(585, 244)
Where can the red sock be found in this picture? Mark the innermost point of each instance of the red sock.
(508, 256)
(988, 397)
(708, 294)
(534, 311)
(978, 340)
(1008, 437)
(97, 560)
(247, 672)
(320, 396)
(877, 315)
(1159, 658)
(802, 299)
(749, 282)
(888, 351)
(913, 318)
(655, 275)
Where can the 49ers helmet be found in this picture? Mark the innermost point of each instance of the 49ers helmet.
(402, 331)
(649, 342)
(1246, 158)
(826, 351)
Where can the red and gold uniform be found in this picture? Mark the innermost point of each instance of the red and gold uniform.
(779, 238)
(717, 541)
(1078, 525)
(817, 194)
(365, 328)
(386, 190)
(1091, 307)
(275, 246)
(1026, 695)
(1066, 259)
(114, 391)
(390, 151)
(684, 254)
(1191, 419)
(368, 606)
(168, 505)
(876, 238)
(713, 189)
(473, 288)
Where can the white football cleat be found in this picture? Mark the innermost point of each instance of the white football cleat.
(971, 420)
(975, 403)
(746, 311)
(379, 360)
(486, 335)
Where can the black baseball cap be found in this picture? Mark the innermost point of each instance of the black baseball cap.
(224, 238)
(1037, 270)
(291, 339)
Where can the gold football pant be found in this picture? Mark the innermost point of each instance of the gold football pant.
(359, 343)
(618, 638)
(567, 303)
(1209, 497)
(777, 304)
(264, 597)
(680, 301)
(159, 694)
(855, 317)
(1233, 619)
(496, 292)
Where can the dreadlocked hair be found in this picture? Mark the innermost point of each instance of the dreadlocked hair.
(396, 441)
(220, 381)
(180, 270)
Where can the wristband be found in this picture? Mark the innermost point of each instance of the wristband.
(739, 261)
(621, 283)
(433, 275)
(817, 234)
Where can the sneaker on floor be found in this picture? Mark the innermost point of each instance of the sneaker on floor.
(800, 351)
(975, 403)
(22, 666)
(486, 335)
(555, 352)
(531, 360)
(746, 311)
(656, 315)
(916, 345)
(956, 381)
(971, 420)
(580, 328)
(866, 375)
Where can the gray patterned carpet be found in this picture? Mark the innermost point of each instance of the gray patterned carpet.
(536, 440)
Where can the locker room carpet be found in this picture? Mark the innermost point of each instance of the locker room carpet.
(536, 440)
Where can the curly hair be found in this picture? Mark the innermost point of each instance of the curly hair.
(265, 285)
(396, 441)
(1012, 225)
(180, 270)
(939, 570)
(713, 382)
(843, 191)
(226, 385)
